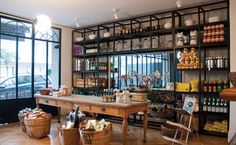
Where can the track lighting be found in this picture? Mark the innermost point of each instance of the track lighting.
(115, 13)
(179, 3)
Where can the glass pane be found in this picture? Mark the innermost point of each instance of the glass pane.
(40, 55)
(8, 26)
(24, 68)
(53, 65)
(123, 71)
(7, 67)
(24, 29)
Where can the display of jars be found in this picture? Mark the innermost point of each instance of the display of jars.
(213, 34)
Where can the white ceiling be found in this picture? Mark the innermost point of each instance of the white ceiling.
(64, 12)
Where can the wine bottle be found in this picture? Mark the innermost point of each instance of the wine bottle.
(225, 107)
(76, 119)
(221, 106)
(213, 106)
(209, 105)
(205, 87)
(217, 105)
(205, 104)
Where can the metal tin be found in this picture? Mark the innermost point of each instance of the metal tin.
(226, 62)
(220, 62)
(209, 62)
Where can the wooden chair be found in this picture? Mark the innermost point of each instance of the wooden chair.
(184, 125)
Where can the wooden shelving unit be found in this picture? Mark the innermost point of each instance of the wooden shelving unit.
(154, 28)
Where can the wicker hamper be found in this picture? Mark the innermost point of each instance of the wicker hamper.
(22, 124)
(69, 136)
(38, 128)
(96, 137)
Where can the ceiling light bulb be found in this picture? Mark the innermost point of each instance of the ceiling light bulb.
(42, 23)
(115, 13)
(77, 22)
(179, 3)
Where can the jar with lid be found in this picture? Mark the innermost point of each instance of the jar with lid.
(219, 62)
(225, 62)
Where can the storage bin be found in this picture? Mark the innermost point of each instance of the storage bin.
(68, 136)
(96, 137)
(39, 127)
(22, 124)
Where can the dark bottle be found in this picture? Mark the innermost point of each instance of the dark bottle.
(219, 86)
(205, 87)
(210, 88)
(214, 87)
(225, 84)
(76, 119)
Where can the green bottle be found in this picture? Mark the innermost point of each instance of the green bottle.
(76, 119)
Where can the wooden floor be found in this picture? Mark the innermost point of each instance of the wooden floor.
(13, 135)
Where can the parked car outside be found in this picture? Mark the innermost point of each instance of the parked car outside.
(8, 86)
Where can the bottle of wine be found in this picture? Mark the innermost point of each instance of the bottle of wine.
(221, 106)
(205, 104)
(217, 105)
(209, 105)
(225, 107)
(213, 106)
(76, 119)
(205, 87)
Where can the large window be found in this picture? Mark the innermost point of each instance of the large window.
(28, 58)
(130, 66)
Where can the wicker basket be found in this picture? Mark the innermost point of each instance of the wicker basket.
(96, 137)
(44, 91)
(22, 124)
(164, 114)
(38, 128)
(69, 136)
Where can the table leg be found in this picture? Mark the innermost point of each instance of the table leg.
(145, 126)
(124, 127)
(59, 114)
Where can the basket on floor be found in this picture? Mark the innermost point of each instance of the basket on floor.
(21, 120)
(96, 137)
(39, 127)
(69, 136)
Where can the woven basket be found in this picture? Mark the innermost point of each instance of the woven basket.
(22, 124)
(44, 91)
(96, 137)
(69, 136)
(38, 128)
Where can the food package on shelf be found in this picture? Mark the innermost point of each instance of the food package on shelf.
(63, 91)
(189, 60)
(94, 125)
(194, 85)
(183, 87)
(217, 126)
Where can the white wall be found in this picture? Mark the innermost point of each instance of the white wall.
(66, 56)
(232, 122)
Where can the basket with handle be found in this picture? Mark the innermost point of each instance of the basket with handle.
(69, 136)
(96, 137)
(22, 124)
(39, 127)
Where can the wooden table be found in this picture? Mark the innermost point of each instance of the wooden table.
(93, 104)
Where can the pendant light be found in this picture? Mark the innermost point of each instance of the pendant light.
(179, 3)
(115, 13)
(42, 23)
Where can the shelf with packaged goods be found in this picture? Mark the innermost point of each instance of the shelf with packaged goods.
(145, 50)
(188, 28)
(213, 133)
(215, 113)
(206, 69)
(186, 46)
(189, 93)
(91, 71)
